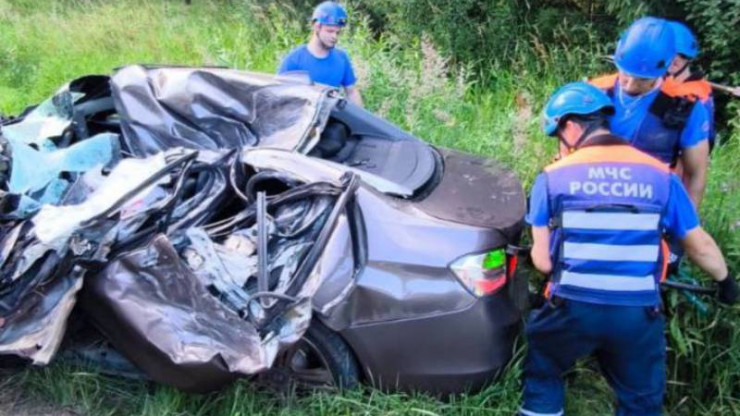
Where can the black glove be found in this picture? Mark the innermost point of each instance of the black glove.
(728, 291)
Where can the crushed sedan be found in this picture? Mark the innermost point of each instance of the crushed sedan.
(203, 224)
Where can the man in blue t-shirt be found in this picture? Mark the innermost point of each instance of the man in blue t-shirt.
(325, 63)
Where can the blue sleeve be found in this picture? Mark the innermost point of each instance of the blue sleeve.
(539, 206)
(288, 63)
(709, 107)
(349, 78)
(680, 216)
(697, 127)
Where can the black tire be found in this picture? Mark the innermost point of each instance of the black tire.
(321, 360)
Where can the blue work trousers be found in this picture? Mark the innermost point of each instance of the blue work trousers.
(627, 341)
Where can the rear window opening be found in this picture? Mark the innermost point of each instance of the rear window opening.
(358, 139)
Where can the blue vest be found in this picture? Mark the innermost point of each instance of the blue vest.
(659, 133)
(607, 202)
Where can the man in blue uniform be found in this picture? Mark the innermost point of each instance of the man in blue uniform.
(325, 63)
(598, 216)
(654, 117)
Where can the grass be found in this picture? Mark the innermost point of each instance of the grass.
(44, 44)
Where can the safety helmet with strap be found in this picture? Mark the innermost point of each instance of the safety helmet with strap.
(646, 48)
(577, 98)
(686, 43)
(329, 13)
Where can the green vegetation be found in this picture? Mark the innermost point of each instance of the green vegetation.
(484, 106)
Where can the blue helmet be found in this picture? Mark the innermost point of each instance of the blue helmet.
(646, 48)
(686, 43)
(578, 98)
(330, 13)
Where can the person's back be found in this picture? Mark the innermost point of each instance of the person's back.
(608, 199)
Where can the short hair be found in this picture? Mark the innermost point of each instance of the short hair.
(590, 121)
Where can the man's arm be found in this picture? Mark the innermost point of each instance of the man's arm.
(349, 81)
(694, 144)
(539, 217)
(541, 249)
(681, 221)
(353, 95)
(695, 162)
(704, 252)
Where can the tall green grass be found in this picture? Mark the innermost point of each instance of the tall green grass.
(493, 112)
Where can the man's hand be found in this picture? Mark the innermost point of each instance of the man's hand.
(353, 95)
(728, 290)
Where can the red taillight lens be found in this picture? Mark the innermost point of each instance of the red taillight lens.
(512, 261)
(483, 274)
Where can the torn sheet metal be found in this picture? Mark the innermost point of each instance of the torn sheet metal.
(211, 195)
(43, 271)
(156, 311)
(337, 270)
(174, 310)
(213, 108)
(35, 331)
(38, 288)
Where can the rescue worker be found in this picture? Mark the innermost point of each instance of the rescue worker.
(687, 80)
(597, 218)
(324, 62)
(655, 118)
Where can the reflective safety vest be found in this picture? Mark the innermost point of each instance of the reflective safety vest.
(607, 201)
(659, 133)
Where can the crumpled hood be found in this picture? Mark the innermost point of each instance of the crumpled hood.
(215, 108)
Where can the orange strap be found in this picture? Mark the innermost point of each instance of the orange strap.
(604, 82)
(666, 252)
(691, 90)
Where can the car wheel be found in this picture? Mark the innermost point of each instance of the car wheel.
(321, 360)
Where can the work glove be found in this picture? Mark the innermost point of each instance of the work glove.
(728, 290)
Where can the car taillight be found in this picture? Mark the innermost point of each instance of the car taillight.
(483, 274)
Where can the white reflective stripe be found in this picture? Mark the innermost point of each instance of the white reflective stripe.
(608, 252)
(525, 412)
(610, 220)
(608, 282)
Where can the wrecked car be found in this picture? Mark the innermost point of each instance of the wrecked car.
(207, 224)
